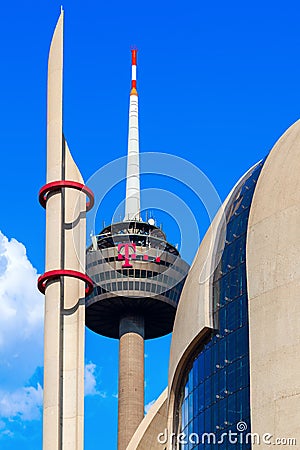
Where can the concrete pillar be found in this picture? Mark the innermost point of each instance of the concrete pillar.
(64, 299)
(131, 378)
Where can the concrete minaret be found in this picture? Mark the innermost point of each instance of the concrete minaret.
(132, 205)
(63, 283)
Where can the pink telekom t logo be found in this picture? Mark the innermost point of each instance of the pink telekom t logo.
(127, 254)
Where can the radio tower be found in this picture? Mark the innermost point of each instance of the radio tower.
(138, 279)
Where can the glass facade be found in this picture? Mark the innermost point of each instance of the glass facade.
(215, 392)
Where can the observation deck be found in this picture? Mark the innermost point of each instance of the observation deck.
(135, 271)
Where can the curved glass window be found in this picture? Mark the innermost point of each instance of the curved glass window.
(215, 393)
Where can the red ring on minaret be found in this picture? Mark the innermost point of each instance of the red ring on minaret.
(54, 275)
(56, 186)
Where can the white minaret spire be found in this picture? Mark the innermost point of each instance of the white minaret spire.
(132, 204)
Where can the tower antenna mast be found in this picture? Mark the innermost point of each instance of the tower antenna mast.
(132, 203)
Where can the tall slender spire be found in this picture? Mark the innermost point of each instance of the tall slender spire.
(64, 322)
(132, 204)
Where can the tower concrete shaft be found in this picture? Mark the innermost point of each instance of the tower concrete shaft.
(132, 204)
(131, 378)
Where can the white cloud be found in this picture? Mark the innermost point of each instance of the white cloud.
(24, 403)
(21, 315)
(90, 381)
(148, 406)
(21, 340)
(7, 432)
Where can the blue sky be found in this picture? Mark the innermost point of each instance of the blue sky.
(218, 84)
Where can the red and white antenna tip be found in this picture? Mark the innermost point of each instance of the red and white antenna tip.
(133, 56)
(133, 68)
